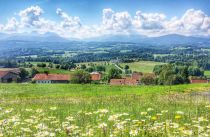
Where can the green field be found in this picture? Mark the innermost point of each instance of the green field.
(107, 65)
(142, 66)
(207, 73)
(54, 71)
(103, 110)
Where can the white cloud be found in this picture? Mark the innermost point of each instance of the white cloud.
(68, 22)
(30, 16)
(149, 21)
(193, 22)
(120, 21)
(11, 26)
(1, 27)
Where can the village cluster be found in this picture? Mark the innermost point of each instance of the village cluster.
(9, 75)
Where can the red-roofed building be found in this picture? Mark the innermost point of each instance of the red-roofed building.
(8, 76)
(51, 78)
(95, 76)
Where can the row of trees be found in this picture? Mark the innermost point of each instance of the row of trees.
(64, 65)
(172, 74)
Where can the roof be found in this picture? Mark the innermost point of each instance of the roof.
(3, 73)
(51, 77)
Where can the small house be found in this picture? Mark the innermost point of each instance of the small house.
(51, 78)
(95, 76)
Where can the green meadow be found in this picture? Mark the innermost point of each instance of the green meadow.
(142, 66)
(87, 97)
(102, 110)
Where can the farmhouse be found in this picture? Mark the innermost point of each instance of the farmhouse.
(8, 76)
(124, 81)
(51, 78)
(95, 76)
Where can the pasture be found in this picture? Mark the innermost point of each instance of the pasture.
(142, 66)
(103, 110)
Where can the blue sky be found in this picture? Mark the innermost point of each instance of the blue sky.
(123, 20)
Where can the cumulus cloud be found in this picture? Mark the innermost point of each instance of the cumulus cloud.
(120, 21)
(192, 22)
(193, 19)
(30, 16)
(68, 21)
(149, 21)
(11, 26)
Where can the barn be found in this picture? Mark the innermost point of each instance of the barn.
(51, 78)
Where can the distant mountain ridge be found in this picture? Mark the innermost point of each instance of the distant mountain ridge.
(161, 40)
(33, 36)
(177, 39)
(165, 39)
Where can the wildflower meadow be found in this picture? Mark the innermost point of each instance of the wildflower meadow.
(92, 111)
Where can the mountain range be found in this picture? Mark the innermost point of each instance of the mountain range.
(161, 40)
(33, 36)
